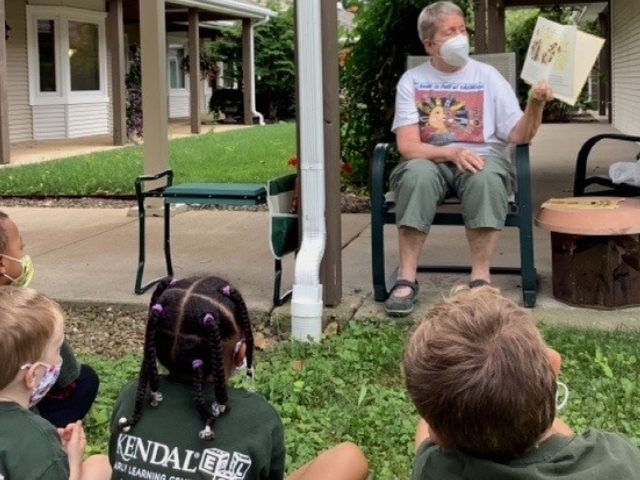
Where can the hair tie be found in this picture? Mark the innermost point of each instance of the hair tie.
(197, 363)
(123, 424)
(227, 290)
(156, 398)
(208, 318)
(157, 308)
(206, 434)
(217, 409)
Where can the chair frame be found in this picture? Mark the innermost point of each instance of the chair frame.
(519, 214)
(581, 181)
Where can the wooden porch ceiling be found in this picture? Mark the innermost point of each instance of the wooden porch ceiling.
(542, 3)
(175, 13)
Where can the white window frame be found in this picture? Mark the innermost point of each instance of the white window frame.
(185, 76)
(61, 17)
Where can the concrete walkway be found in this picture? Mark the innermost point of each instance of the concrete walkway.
(90, 255)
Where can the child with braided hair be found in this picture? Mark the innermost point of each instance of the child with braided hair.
(188, 424)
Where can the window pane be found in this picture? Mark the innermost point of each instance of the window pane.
(84, 56)
(176, 75)
(173, 73)
(47, 55)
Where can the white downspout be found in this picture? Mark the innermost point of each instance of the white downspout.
(254, 112)
(306, 303)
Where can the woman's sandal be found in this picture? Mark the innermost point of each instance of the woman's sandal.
(400, 306)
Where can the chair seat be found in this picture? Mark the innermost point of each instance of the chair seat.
(215, 193)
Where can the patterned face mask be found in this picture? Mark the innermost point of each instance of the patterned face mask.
(47, 381)
(27, 271)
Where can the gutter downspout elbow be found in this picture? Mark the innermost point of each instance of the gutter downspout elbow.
(254, 111)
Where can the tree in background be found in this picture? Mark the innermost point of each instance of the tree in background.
(133, 85)
(386, 32)
(274, 61)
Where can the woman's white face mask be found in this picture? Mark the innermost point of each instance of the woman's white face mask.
(455, 51)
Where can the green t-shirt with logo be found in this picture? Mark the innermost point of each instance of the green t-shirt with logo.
(592, 455)
(248, 443)
(30, 448)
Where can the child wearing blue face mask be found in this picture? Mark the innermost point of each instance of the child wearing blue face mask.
(189, 423)
(77, 386)
(31, 448)
(484, 383)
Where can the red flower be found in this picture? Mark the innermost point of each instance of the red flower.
(346, 168)
(292, 162)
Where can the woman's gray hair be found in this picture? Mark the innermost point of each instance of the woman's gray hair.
(427, 21)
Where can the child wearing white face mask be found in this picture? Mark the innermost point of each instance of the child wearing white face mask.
(198, 427)
(30, 447)
(77, 385)
(484, 383)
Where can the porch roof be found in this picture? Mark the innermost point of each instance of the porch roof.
(227, 9)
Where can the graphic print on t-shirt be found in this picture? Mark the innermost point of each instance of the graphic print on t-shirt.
(140, 458)
(450, 112)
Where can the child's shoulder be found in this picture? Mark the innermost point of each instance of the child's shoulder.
(610, 455)
(250, 400)
(25, 435)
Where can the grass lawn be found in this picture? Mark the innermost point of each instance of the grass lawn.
(251, 155)
(350, 388)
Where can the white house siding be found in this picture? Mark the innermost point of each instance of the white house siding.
(178, 104)
(86, 119)
(625, 56)
(20, 120)
(49, 122)
(179, 101)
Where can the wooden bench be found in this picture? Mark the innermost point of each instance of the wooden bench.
(185, 193)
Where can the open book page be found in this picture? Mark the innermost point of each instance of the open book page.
(563, 56)
(551, 56)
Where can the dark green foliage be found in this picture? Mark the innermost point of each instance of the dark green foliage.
(387, 31)
(133, 84)
(274, 62)
(275, 67)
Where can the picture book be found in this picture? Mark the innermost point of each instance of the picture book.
(562, 55)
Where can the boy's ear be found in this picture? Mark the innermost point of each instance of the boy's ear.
(30, 377)
(555, 359)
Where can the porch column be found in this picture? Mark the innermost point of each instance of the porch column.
(5, 154)
(480, 25)
(495, 26)
(247, 69)
(153, 53)
(194, 68)
(331, 265)
(604, 80)
(115, 25)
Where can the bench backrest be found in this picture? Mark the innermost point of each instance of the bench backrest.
(505, 63)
